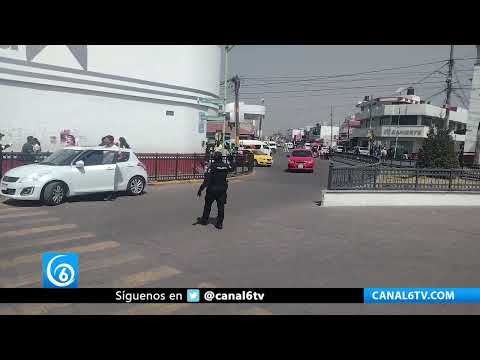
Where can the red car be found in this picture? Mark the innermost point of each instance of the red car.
(301, 160)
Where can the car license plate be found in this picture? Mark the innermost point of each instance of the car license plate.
(4, 186)
(300, 166)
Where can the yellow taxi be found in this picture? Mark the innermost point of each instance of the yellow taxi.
(260, 158)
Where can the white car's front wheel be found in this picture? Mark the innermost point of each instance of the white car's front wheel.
(54, 193)
(136, 185)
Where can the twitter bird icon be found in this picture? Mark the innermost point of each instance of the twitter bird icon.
(193, 295)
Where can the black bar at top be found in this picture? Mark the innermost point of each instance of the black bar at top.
(109, 295)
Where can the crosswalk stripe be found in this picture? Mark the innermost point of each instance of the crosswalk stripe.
(9, 209)
(31, 309)
(37, 230)
(29, 222)
(36, 278)
(13, 216)
(145, 277)
(49, 241)
(76, 249)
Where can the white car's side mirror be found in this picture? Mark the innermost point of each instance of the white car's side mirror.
(79, 164)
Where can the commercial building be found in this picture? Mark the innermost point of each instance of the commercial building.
(251, 118)
(404, 122)
(295, 135)
(145, 93)
(346, 131)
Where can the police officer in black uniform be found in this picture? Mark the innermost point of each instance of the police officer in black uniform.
(217, 184)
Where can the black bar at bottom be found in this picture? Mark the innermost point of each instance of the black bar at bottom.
(179, 295)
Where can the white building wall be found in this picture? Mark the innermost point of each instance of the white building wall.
(118, 90)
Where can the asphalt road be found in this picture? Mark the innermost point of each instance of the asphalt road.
(275, 235)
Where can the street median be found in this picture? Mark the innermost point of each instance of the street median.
(196, 181)
(376, 185)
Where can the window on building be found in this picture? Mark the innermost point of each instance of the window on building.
(408, 120)
(170, 113)
(251, 116)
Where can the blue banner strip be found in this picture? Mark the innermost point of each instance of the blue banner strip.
(421, 295)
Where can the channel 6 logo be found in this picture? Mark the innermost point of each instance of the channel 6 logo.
(60, 270)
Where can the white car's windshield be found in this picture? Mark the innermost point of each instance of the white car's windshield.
(61, 157)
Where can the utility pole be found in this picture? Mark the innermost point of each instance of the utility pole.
(449, 87)
(331, 126)
(236, 83)
(370, 122)
(348, 133)
(225, 98)
(261, 122)
(225, 93)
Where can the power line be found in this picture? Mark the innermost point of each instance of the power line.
(353, 74)
(336, 88)
(322, 95)
(321, 82)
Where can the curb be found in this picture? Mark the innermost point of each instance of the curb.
(193, 181)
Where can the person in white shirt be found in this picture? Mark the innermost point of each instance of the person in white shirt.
(36, 146)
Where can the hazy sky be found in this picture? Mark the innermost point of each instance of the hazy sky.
(267, 72)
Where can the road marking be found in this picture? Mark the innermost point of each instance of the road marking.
(255, 311)
(13, 216)
(36, 278)
(31, 309)
(26, 259)
(37, 230)
(50, 240)
(145, 277)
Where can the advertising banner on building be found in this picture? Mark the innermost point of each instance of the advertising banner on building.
(405, 131)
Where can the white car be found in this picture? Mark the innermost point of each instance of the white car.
(290, 145)
(308, 146)
(324, 150)
(363, 150)
(76, 171)
(273, 145)
(339, 149)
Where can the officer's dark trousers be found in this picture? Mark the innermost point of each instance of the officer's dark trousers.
(221, 198)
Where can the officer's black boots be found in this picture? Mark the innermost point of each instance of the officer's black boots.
(219, 226)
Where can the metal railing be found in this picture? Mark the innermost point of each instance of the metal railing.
(378, 177)
(164, 167)
(161, 167)
(374, 159)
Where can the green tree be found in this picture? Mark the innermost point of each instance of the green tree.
(438, 150)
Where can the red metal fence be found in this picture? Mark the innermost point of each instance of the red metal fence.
(159, 166)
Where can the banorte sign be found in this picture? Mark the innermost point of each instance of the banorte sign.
(403, 132)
